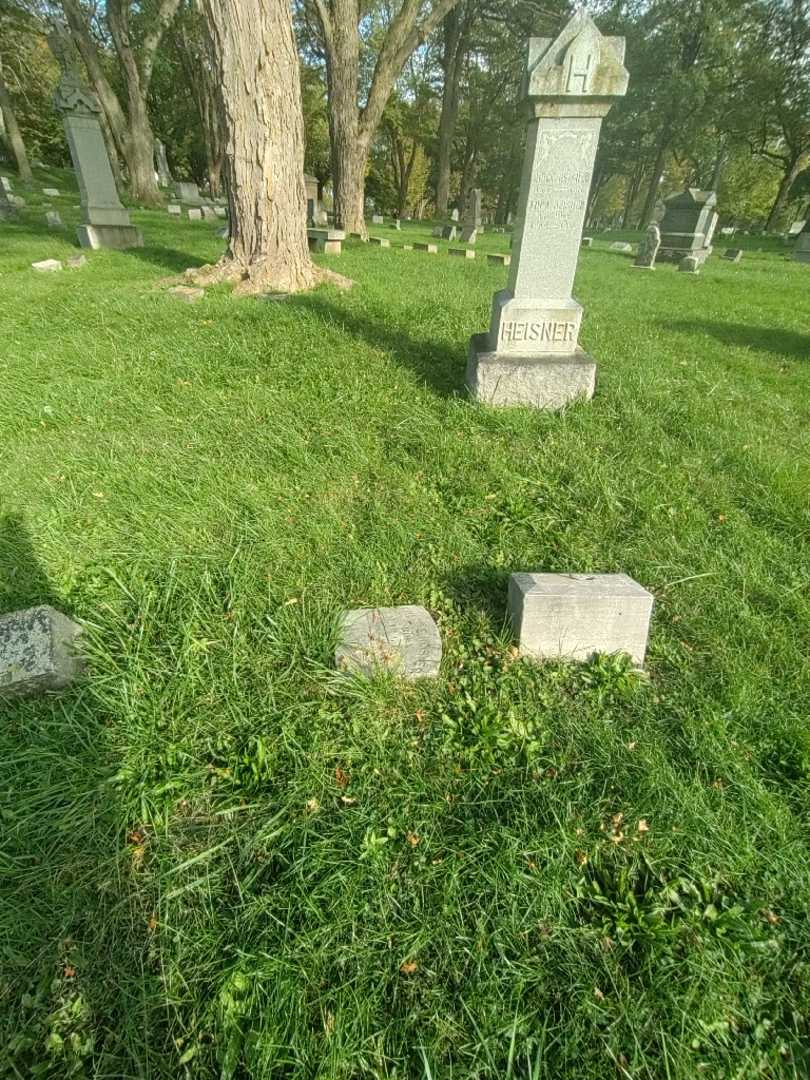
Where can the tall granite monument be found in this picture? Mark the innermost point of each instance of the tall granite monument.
(688, 225)
(164, 173)
(105, 222)
(531, 354)
(472, 217)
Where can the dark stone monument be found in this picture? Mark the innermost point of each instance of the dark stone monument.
(648, 248)
(688, 225)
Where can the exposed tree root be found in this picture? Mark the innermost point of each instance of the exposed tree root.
(265, 277)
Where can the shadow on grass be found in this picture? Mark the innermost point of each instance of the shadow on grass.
(23, 580)
(783, 343)
(439, 366)
(481, 588)
(167, 258)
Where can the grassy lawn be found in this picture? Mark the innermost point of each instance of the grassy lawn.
(219, 858)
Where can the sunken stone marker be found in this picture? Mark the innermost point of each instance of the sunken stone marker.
(404, 640)
(689, 264)
(377, 219)
(449, 232)
(430, 249)
(195, 215)
(576, 615)
(105, 222)
(621, 245)
(185, 191)
(37, 651)
(648, 249)
(733, 255)
(8, 207)
(531, 354)
(5, 183)
(47, 266)
(53, 219)
(51, 192)
(801, 252)
(175, 209)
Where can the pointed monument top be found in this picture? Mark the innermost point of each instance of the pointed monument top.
(578, 63)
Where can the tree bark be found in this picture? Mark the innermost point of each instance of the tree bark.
(792, 169)
(352, 128)
(256, 64)
(452, 58)
(655, 180)
(14, 134)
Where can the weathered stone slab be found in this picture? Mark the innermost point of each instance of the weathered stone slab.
(187, 293)
(648, 249)
(175, 209)
(209, 213)
(377, 219)
(499, 260)
(329, 241)
(586, 242)
(403, 640)
(185, 191)
(380, 241)
(571, 83)
(690, 264)
(801, 252)
(53, 219)
(437, 231)
(577, 615)
(195, 215)
(38, 651)
(431, 249)
(462, 253)
(733, 255)
(5, 183)
(449, 232)
(620, 245)
(76, 262)
(51, 192)
(220, 211)
(688, 225)
(454, 214)
(46, 266)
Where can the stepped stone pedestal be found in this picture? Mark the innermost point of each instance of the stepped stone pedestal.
(531, 354)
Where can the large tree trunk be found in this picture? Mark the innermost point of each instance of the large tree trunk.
(14, 134)
(452, 55)
(256, 63)
(792, 170)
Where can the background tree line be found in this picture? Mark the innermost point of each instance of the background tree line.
(413, 102)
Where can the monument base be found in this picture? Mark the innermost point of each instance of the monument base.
(542, 382)
(109, 236)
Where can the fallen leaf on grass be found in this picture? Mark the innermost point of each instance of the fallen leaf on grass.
(409, 967)
(341, 778)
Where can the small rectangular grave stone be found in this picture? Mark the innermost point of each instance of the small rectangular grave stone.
(52, 192)
(586, 242)
(175, 209)
(6, 184)
(431, 249)
(689, 264)
(185, 191)
(380, 241)
(47, 266)
(574, 616)
(377, 219)
(620, 245)
(38, 651)
(462, 253)
(195, 215)
(733, 255)
(403, 640)
(53, 219)
(499, 260)
(209, 213)
(449, 232)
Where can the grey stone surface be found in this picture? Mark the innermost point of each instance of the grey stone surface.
(801, 252)
(8, 205)
(586, 242)
(688, 224)
(472, 217)
(162, 165)
(52, 192)
(733, 255)
(185, 191)
(620, 245)
(437, 231)
(195, 215)
(549, 382)
(576, 615)
(468, 235)
(76, 262)
(329, 241)
(220, 211)
(380, 241)
(796, 228)
(377, 219)
(462, 253)
(38, 651)
(18, 201)
(648, 248)
(46, 266)
(397, 224)
(407, 247)
(187, 293)
(53, 219)
(431, 249)
(499, 260)
(689, 264)
(571, 84)
(454, 214)
(209, 213)
(403, 640)
(105, 222)
(449, 232)
(175, 209)
(5, 183)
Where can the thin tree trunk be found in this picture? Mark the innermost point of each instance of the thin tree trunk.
(792, 170)
(256, 63)
(655, 179)
(14, 134)
(451, 64)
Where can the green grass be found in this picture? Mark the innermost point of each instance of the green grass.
(218, 858)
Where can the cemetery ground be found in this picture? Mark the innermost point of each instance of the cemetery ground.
(222, 858)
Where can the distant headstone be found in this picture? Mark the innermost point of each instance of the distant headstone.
(220, 211)
(454, 215)
(53, 219)
(499, 260)
(105, 222)
(407, 247)
(380, 241)
(449, 232)
(402, 640)
(688, 225)
(209, 213)
(5, 183)
(164, 175)
(622, 246)
(437, 231)
(175, 209)
(431, 249)
(648, 248)
(195, 214)
(397, 224)
(472, 217)
(187, 293)
(531, 354)
(47, 266)
(51, 192)
(729, 230)
(689, 264)
(8, 205)
(17, 201)
(796, 228)
(801, 252)
(733, 254)
(575, 616)
(187, 192)
(462, 253)
(38, 652)
(76, 262)
(586, 242)
(377, 219)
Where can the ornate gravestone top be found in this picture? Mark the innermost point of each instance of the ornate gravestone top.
(71, 94)
(648, 248)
